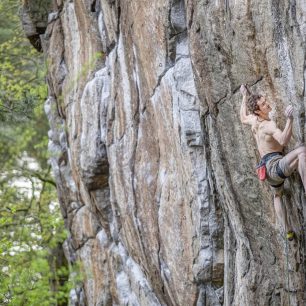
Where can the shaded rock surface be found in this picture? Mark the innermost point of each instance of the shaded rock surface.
(34, 16)
(155, 172)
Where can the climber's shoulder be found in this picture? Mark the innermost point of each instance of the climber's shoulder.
(250, 119)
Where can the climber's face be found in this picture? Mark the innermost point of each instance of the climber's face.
(264, 107)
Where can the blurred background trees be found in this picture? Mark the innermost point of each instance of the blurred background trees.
(33, 269)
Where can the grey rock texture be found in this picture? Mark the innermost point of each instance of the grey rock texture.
(155, 172)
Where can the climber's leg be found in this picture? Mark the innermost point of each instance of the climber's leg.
(281, 212)
(296, 159)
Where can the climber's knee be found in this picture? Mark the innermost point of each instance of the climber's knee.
(278, 191)
(301, 151)
(302, 154)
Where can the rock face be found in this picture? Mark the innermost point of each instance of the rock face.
(155, 172)
(34, 17)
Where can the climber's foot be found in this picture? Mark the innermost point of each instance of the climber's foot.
(290, 235)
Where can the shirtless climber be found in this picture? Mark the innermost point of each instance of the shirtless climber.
(271, 142)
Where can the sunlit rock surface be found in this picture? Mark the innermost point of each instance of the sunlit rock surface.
(155, 172)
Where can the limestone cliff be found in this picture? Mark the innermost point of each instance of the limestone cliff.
(155, 172)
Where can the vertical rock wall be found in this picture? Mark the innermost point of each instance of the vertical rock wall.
(155, 172)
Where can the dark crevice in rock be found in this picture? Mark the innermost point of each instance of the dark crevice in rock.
(302, 115)
(249, 84)
(136, 116)
(118, 21)
(93, 6)
(83, 242)
(246, 264)
(87, 239)
(177, 34)
(41, 30)
(186, 94)
(221, 99)
(257, 81)
(170, 51)
(97, 179)
(302, 121)
(160, 77)
(304, 79)
(35, 42)
(111, 47)
(179, 57)
(190, 22)
(60, 6)
(74, 210)
(74, 214)
(227, 7)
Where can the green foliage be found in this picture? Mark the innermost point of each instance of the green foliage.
(8, 19)
(31, 225)
(33, 269)
(22, 85)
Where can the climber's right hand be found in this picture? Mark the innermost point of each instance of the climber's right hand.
(289, 112)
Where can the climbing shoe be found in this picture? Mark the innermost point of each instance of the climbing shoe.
(290, 235)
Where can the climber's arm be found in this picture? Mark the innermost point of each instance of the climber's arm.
(244, 116)
(282, 137)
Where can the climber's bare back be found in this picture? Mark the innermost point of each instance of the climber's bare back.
(266, 134)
